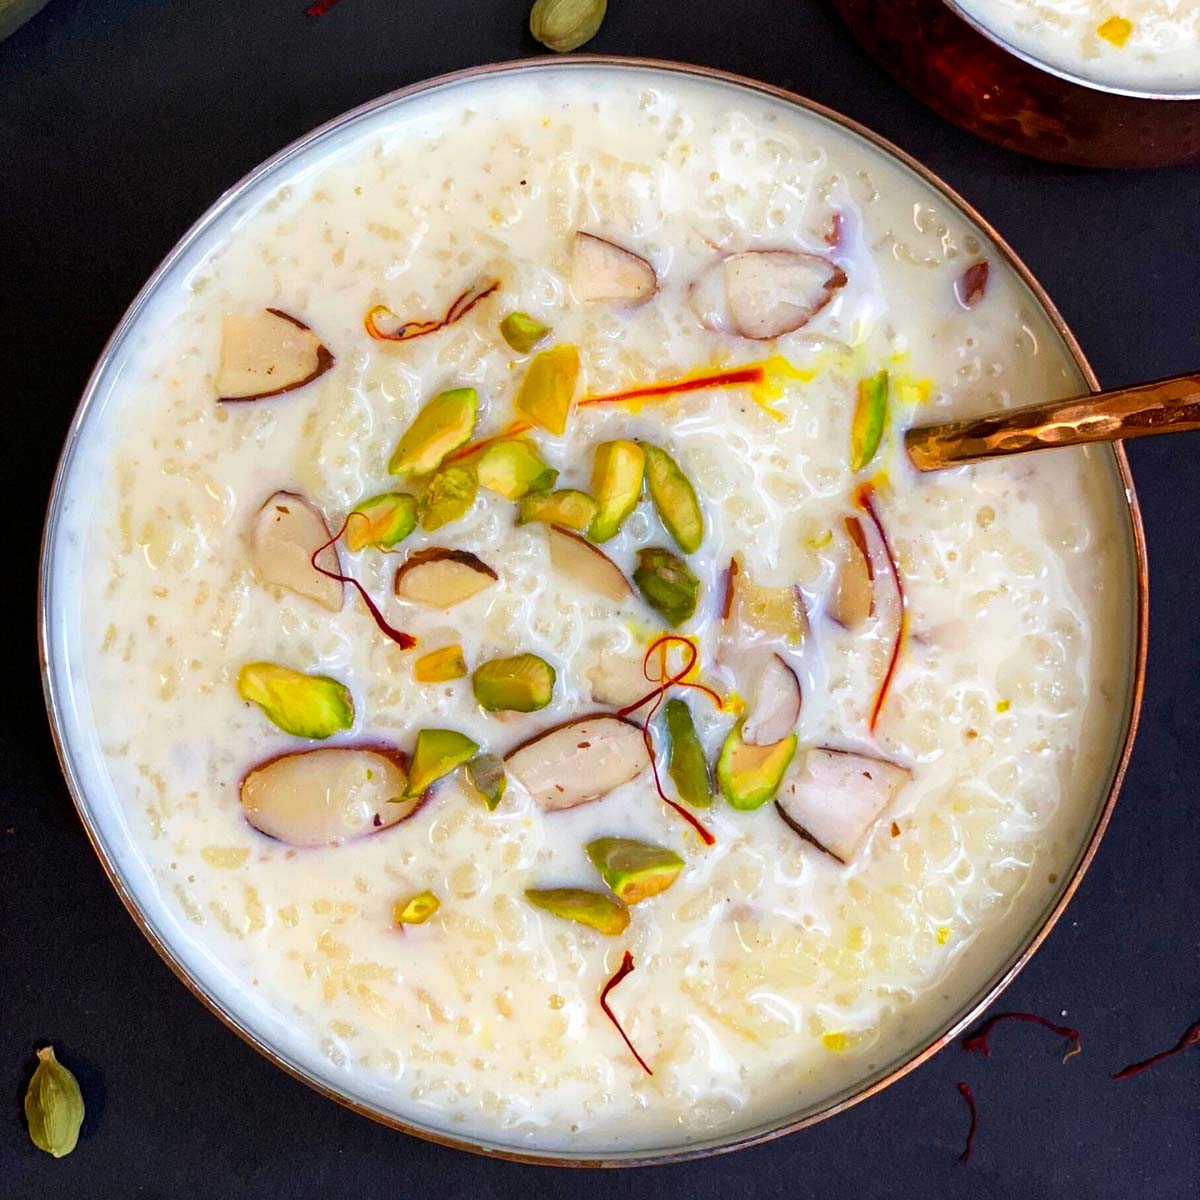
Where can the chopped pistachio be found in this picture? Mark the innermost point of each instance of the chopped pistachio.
(567, 507)
(666, 584)
(634, 870)
(443, 425)
(750, 775)
(687, 767)
(522, 332)
(488, 777)
(512, 467)
(617, 485)
(436, 753)
(382, 521)
(548, 388)
(674, 499)
(311, 706)
(522, 683)
(449, 496)
(440, 665)
(594, 909)
(870, 415)
(416, 910)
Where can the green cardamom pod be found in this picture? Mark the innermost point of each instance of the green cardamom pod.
(563, 25)
(53, 1106)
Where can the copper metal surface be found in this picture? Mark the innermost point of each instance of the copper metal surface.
(1166, 406)
(1004, 972)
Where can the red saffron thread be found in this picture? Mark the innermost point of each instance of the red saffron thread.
(320, 8)
(667, 680)
(977, 1042)
(964, 1090)
(405, 641)
(624, 969)
(1191, 1037)
(461, 305)
(755, 374)
(863, 497)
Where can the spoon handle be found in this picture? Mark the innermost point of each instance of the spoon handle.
(1167, 406)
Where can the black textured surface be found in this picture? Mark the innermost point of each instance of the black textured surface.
(120, 121)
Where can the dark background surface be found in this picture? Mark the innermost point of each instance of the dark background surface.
(119, 123)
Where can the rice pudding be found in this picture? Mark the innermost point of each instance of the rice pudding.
(591, 382)
(1142, 45)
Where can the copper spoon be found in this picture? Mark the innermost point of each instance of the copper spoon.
(1168, 406)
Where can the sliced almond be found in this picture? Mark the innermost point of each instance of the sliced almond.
(587, 565)
(763, 294)
(328, 796)
(579, 761)
(617, 679)
(750, 608)
(441, 578)
(854, 589)
(267, 353)
(776, 704)
(286, 532)
(602, 270)
(833, 797)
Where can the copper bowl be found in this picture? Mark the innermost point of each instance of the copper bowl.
(105, 828)
(974, 78)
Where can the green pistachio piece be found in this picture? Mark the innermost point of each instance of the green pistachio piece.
(382, 521)
(511, 467)
(487, 775)
(617, 485)
(53, 1106)
(548, 388)
(602, 913)
(522, 332)
(750, 775)
(870, 414)
(443, 425)
(674, 499)
(311, 706)
(436, 753)
(449, 496)
(667, 584)
(633, 870)
(688, 767)
(416, 910)
(523, 683)
(564, 25)
(566, 507)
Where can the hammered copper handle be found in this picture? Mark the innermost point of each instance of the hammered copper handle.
(1168, 406)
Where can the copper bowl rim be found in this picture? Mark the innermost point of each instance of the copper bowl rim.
(1041, 64)
(737, 1141)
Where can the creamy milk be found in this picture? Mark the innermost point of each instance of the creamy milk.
(769, 978)
(1141, 45)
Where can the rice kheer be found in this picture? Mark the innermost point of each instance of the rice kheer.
(412, 872)
(1143, 45)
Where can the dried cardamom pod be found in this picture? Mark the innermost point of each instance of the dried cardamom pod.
(563, 25)
(53, 1106)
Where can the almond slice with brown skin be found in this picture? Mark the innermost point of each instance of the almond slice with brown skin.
(602, 270)
(441, 578)
(266, 354)
(328, 796)
(832, 797)
(587, 565)
(763, 294)
(854, 587)
(580, 761)
(776, 705)
(284, 535)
